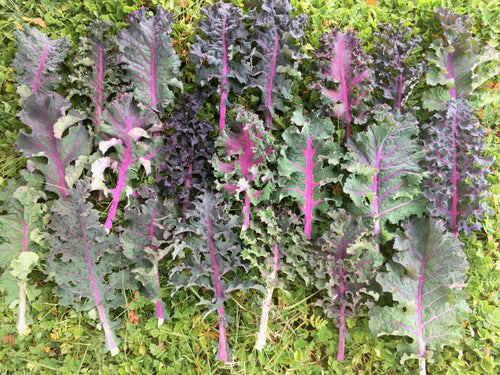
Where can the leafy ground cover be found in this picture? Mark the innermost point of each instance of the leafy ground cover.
(298, 130)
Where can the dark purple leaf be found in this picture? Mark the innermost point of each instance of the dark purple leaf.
(457, 167)
(393, 76)
(345, 265)
(150, 223)
(274, 32)
(184, 159)
(211, 258)
(220, 53)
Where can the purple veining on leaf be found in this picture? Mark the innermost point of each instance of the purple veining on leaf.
(211, 255)
(242, 163)
(457, 167)
(126, 127)
(303, 164)
(46, 116)
(149, 57)
(37, 59)
(345, 266)
(343, 65)
(393, 76)
(386, 175)
(214, 54)
(426, 278)
(274, 31)
(80, 260)
(150, 223)
(452, 59)
(96, 76)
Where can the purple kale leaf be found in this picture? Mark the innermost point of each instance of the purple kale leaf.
(150, 224)
(220, 54)
(457, 167)
(242, 163)
(126, 128)
(426, 278)
(96, 75)
(305, 164)
(81, 260)
(276, 246)
(344, 265)
(453, 59)
(344, 77)
(211, 258)
(385, 174)
(149, 58)
(184, 159)
(22, 226)
(275, 33)
(55, 144)
(393, 75)
(37, 60)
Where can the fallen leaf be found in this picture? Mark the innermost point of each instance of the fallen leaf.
(37, 21)
(9, 339)
(132, 317)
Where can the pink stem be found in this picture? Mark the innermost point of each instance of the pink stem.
(223, 348)
(341, 350)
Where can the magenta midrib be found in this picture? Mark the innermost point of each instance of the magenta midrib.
(122, 174)
(25, 237)
(153, 71)
(218, 289)
(420, 328)
(40, 69)
(309, 187)
(454, 180)
(400, 89)
(95, 290)
(375, 204)
(55, 154)
(99, 87)
(225, 69)
(345, 95)
(271, 79)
